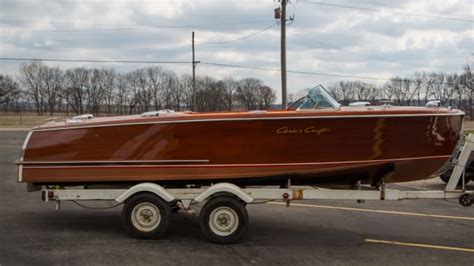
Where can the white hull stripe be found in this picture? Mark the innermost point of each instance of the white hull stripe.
(251, 119)
(242, 165)
(22, 155)
(110, 162)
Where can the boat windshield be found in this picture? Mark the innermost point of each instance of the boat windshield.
(317, 98)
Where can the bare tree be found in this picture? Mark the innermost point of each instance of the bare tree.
(363, 91)
(175, 91)
(108, 84)
(43, 85)
(185, 84)
(442, 88)
(265, 97)
(9, 91)
(419, 80)
(402, 90)
(141, 89)
(105, 90)
(77, 81)
(466, 81)
(94, 92)
(52, 86)
(162, 83)
(211, 94)
(31, 77)
(123, 94)
(343, 91)
(246, 92)
(230, 87)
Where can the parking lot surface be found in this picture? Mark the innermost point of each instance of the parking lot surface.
(421, 232)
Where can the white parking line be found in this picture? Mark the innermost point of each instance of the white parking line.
(419, 245)
(377, 211)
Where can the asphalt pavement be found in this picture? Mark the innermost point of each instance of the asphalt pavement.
(419, 232)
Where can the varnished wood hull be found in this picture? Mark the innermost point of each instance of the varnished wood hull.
(245, 148)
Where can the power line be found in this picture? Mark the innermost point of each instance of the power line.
(397, 7)
(243, 37)
(205, 64)
(294, 71)
(376, 4)
(390, 11)
(318, 73)
(127, 27)
(77, 30)
(183, 62)
(377, 58)
(92, 61)
(135, 25)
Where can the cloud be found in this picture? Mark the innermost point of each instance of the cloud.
(321, 38)
(45, 44)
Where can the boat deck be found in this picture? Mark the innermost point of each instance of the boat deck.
(258, 114)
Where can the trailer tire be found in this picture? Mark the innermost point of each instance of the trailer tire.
(146, 216)
(224, 220)
(466, 200)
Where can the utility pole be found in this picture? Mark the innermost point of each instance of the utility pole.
(283, 53)
(194, 78)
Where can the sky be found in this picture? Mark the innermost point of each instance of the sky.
(368, 39)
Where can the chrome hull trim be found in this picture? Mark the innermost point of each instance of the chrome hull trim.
(32, 166)
(246, 119)
(127, 162)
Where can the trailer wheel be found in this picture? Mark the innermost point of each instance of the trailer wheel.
(224, 220)
(466, 200)
(146, 216)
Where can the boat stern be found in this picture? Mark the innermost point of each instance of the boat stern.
(20, 160)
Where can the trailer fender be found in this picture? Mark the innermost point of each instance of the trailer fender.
(146, 187)
(224, 187)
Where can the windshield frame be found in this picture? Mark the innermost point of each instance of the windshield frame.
(320, 92)
(325, 93)
(298, 106)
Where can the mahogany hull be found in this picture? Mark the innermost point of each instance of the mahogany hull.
(309, 148)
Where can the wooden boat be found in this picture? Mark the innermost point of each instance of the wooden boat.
(315, 141)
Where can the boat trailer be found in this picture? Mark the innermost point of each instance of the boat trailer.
(223, 216)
